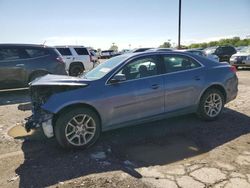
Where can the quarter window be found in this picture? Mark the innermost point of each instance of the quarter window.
(179, 63)
(64, 51)
(140, 68)
(81, 51)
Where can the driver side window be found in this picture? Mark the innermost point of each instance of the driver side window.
(140, 68)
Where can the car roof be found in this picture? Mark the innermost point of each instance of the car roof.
(202, 60)
(23, 45)
(158, 52)
(70, 46)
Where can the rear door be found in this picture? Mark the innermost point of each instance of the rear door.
(12, 67)
(183, 81)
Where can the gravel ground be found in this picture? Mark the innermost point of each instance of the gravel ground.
(177, 152)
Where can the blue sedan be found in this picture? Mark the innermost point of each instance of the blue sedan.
(129, 89)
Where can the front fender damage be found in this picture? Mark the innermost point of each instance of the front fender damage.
(40, 117)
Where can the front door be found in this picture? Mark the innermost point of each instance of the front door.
(141, 95)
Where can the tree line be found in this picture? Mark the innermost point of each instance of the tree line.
(235, 41)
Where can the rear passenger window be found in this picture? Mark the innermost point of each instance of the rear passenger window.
(64, 51)
(81, 51)
(179, 63)
(36, 52)
(8, 54)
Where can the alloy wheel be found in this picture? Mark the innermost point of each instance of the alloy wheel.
(80, 130)
(213, 105)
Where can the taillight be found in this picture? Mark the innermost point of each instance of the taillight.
(60, 59)
(90, 57)
(233, 69)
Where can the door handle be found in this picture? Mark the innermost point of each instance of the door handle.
(19, 65)
(197, 78)
(155, 86)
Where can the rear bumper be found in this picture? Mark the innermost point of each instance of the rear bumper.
(232, 88)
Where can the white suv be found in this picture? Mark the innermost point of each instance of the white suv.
(77, 59)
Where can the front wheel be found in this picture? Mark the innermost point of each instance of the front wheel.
(211, 104)
(77, 128)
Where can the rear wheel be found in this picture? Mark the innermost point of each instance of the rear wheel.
(211, 104)
(77, 128)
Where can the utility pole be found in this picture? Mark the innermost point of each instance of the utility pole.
(179, 28)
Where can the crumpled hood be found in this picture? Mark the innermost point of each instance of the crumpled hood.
(59, 80)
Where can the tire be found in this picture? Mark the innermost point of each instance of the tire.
(211, 105)
(76, 70)
(66, 128)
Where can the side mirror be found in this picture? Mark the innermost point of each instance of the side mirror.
(118, 78)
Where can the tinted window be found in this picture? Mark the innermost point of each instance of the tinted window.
(33, 52)
(12, 54)
(81, 51)
(174, 63)
(64, 51)
(220, 50)
(140, 68)
(230, 50)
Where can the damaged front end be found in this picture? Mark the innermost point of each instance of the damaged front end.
(40, 91)
(40, 117)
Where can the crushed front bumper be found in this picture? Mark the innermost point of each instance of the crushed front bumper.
(43, 120)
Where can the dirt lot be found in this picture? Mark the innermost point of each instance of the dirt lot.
(177, 152)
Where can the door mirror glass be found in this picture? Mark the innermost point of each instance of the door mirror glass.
(117, 78)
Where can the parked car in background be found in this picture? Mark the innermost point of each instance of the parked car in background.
(77, 59)
(241, 58)
(130, 89)
(202, 53)
(159, 50)
(22, 63)
(223, 52)
(139, 50)
(125, 51)
(96, 53)
(106, 54)
(94, 58)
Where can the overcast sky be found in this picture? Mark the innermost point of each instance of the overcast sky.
(141, 23)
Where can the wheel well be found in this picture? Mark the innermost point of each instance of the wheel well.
(76, 63)
(220, 88)
(37, 72)
(82, 105)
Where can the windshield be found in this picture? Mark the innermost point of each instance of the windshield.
(104, 68)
